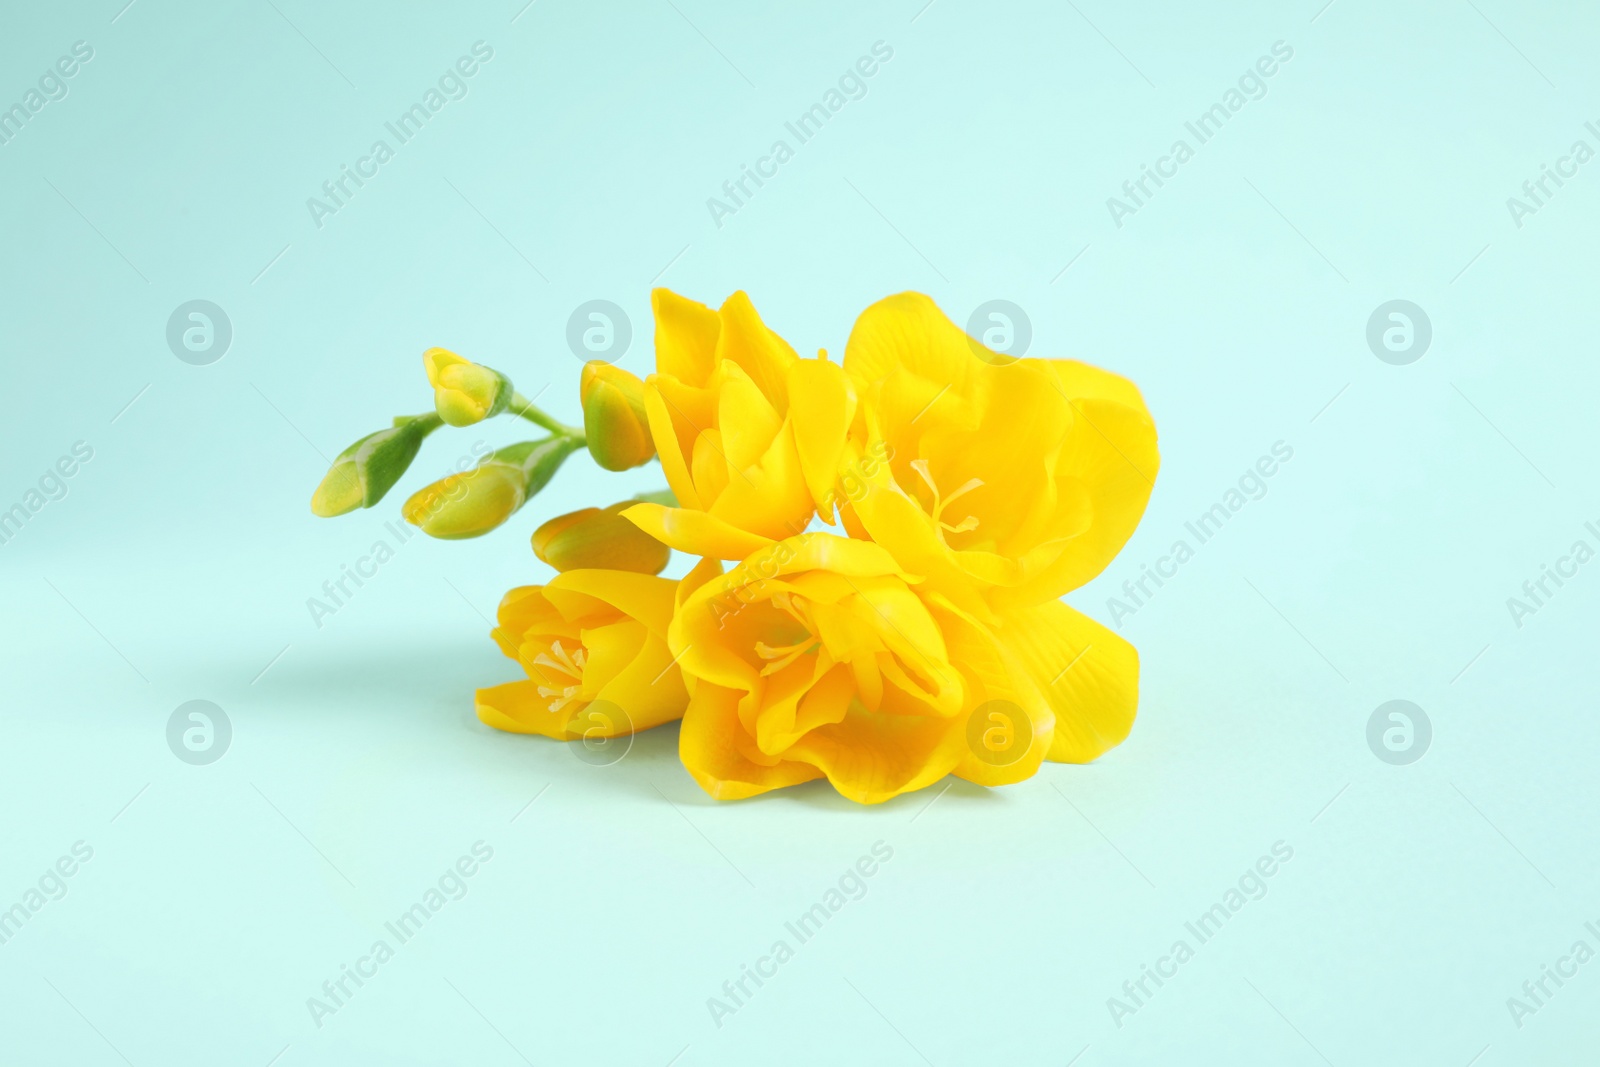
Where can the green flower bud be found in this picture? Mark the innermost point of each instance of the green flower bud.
(465, 392)
(614, 417)
(474, 502)
(368, 469)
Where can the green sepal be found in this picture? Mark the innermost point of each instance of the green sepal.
(383, 458)
(539, 460)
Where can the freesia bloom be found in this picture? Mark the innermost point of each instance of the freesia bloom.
(749, 434)
(814, 658)
(1008, 481)
(594, 646)
(975, 491)
(819, 656)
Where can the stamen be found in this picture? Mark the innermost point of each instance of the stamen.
(787, 654)
(564, 662)
(942, 502)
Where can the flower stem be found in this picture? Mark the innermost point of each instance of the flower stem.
(525, 408)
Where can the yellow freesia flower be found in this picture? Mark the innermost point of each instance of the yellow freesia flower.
(1007, 482)
(749, 435)
(465, 392)
(599, 538)
(820, 656)
(614, 418)
(594, 646)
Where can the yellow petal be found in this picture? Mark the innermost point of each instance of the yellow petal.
(1007, 724)
(746, 421)
(1083, 381)
(708, 465)
(435, 360)
(676, 414)
(708, 568)
(907, 333)
(1089, 675)
(686, 336)
(873, 756)
(822, 405)
(649, 689)
(823, 701)
(769, 498)
(708, 745)
(1110, 460)
(610, 647)
(640, 596)
(517, 707)
(760, 353)
(695, 532)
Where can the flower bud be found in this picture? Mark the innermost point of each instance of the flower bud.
(613, 416)
(368, 469)
(465, 392)
(474, 502)
(596, 538)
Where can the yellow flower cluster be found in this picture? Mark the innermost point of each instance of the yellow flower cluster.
(923, 635)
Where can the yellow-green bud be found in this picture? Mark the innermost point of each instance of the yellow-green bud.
(368, 469)
(474, 502)
(599, 538)
(614, 418)
(465, 392)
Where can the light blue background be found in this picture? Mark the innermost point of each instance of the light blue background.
(1419, 898)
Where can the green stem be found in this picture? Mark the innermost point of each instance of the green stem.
(426, 422)
(525, 408)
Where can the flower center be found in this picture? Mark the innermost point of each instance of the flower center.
(559, 663)
(942, 502)
(780, 656)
